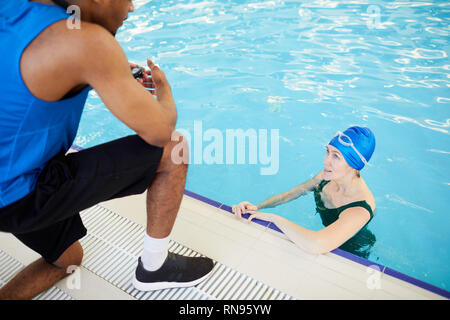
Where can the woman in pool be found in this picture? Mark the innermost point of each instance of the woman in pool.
(342, 198)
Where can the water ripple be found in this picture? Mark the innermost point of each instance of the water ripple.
(438, 151)
(427, 123)
(189, 6)
(398, 199)
(422, 53)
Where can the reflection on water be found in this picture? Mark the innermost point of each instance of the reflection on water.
(361, 243)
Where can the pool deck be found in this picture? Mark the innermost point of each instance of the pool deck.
(244, 250)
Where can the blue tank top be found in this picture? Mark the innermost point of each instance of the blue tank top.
(32, 131)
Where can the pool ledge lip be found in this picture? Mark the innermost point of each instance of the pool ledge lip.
(344, 254)
(384, 269)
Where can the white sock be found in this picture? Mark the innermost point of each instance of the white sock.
(154, 253)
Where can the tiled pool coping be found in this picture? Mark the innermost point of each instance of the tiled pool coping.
(339, 252)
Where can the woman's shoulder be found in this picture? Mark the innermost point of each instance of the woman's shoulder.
(317, 181)
(367, 196)
(363, 194)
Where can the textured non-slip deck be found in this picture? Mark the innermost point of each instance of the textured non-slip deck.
(9, 267)
(114, 243)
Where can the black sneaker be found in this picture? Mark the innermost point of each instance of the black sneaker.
(177, 271)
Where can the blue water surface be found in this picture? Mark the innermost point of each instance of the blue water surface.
(308, 69)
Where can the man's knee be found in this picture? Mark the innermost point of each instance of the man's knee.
(73, 256)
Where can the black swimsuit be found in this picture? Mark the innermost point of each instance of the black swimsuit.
(361, 243)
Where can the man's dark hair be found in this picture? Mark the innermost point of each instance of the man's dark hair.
(61, 3)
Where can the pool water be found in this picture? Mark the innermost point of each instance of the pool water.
(308, 69)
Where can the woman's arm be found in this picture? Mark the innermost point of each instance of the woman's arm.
(292, 194)
(304, 238)
(325, 240)
(350, 221)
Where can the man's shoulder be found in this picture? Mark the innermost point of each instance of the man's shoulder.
(86, 36)
(64, 55)
(80, 47)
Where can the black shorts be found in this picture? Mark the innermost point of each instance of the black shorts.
(48, 219)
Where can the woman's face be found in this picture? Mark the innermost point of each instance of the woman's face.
(335, 166)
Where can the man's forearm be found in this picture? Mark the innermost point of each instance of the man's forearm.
(166, 100)
(160, 133)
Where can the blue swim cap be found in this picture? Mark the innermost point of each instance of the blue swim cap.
(364, 141)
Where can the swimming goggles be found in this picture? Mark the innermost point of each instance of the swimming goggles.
(349, 143)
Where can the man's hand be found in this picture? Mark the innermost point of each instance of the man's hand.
(145, 80)
(154, 79)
